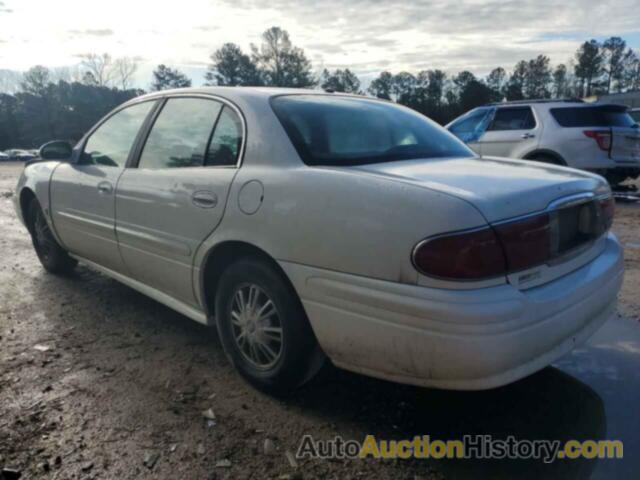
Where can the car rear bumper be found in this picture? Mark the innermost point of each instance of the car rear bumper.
(456, 339)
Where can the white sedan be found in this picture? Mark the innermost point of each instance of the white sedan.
(308, 226)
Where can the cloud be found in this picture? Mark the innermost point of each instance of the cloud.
(93, 32)
(366, 36)
(433, 34)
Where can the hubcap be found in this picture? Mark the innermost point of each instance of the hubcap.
(256, 326)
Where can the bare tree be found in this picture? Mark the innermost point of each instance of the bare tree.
(99, 68)
(125, 68)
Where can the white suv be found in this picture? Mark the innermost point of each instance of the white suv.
(602, 138)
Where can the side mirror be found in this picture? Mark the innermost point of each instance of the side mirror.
(56, 150)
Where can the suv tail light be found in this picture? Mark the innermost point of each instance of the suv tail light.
(602, 138)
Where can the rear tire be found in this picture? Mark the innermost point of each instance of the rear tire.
(52, 256)
(263, 328)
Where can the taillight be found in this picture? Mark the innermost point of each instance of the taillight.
(513, 246)
(488, 252)
(602, 138)
(526, 242)
(473, 255)
(608, 210)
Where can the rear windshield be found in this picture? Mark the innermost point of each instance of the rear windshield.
(335, 130)
(600, 116)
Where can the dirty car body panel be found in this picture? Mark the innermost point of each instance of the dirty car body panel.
(345, 235)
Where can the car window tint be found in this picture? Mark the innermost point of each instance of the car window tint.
(110, 144)
(226, 141)
(600, 116)
(513, 119)
(180, 134)
(340, 130)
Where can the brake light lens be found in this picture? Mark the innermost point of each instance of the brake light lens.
(602, 138)
(526, 242)
(513, 246)
(486, 253)
(608, 210)
(474, 255)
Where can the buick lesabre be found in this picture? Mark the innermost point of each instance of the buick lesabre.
(310, 227)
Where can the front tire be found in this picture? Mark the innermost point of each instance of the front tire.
(263, 328)
(52, 256)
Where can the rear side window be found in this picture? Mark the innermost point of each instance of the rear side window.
(109, 145)
(635, 115)
(226, 141)
(180, 134)
(347, 131)
(518, 118)
(601, 116)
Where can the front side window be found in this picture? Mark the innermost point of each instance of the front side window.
(110, 144)
(180, 134)
(515, 118)
(345, 131)
(470, 127)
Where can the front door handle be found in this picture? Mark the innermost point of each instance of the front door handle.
(204, 199)
(527, 135)
(105, 187)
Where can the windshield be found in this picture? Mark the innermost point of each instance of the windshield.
(599, 116)
(338, 130)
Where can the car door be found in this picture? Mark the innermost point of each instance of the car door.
(82, 192)
(471, 126)
(512, 132)
(175, 195)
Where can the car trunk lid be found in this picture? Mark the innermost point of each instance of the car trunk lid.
(500, 188)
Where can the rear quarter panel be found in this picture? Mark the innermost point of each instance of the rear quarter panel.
(340, 220)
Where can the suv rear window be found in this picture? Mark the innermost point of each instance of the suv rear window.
(599, 116)
(345, 131)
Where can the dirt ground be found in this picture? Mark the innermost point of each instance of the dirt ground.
(98, 381)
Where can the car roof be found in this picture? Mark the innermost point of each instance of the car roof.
(237, 93)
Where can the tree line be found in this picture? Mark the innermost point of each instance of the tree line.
(64, 103)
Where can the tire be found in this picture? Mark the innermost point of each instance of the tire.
(279, 359)
(52, 256)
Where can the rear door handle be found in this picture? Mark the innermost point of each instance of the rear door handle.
(527, 135)
(105, 187)
(204, 199)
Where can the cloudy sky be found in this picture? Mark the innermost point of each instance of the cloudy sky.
(365, 35)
